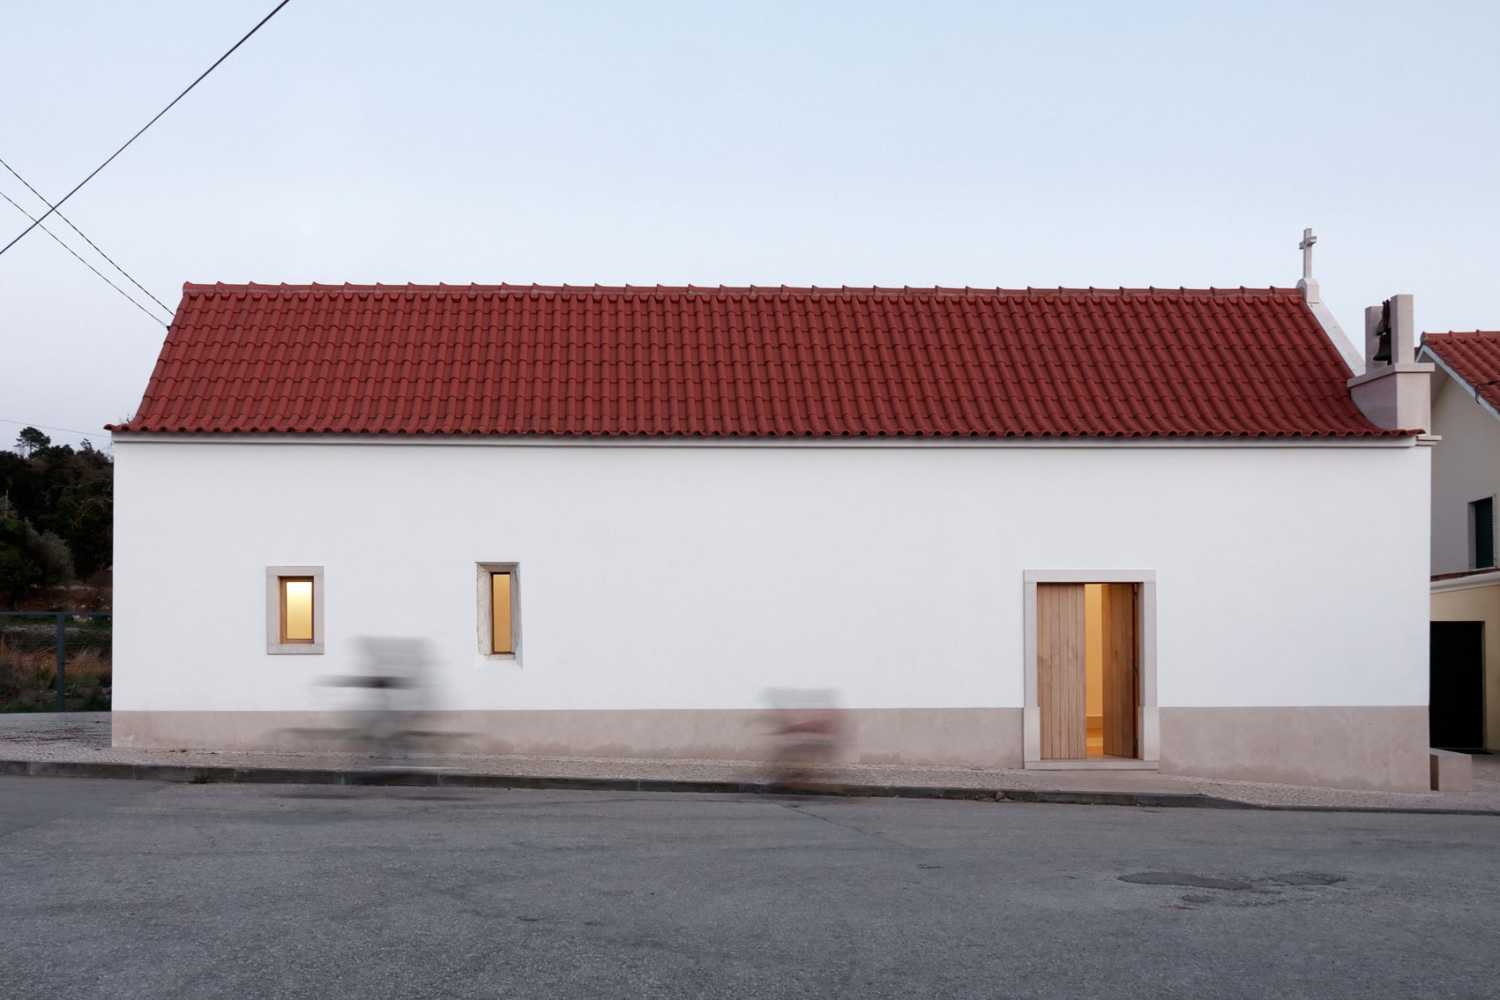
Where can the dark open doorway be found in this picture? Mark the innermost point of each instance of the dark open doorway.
(1455, 712)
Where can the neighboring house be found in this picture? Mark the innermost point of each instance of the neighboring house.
(1465, 583)
(620, 516)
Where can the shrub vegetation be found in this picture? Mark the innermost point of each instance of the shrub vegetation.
(56, 515)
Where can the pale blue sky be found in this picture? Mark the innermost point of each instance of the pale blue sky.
(861, 143)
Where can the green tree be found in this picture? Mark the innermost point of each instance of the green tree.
(30, 441)
(29, 558)
(58, 514)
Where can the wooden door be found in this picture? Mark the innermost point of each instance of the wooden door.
(1121, 678)
(1060, 670)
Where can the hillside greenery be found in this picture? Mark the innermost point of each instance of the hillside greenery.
(56, 515)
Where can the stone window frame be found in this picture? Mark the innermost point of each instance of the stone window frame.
(483, 616)
(274, 645)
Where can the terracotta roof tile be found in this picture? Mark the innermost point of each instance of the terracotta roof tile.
(1474, 356)
(748, 362)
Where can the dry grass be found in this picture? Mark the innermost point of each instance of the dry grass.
(28, 679)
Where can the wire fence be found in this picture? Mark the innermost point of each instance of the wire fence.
(55, 661)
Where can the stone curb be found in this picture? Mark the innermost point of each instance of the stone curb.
(205, 774)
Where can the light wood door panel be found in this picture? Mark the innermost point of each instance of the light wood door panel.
(1060, 670)
(1121, 684)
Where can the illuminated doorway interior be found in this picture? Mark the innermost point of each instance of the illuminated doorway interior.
(1088, 677)
(1098, 617)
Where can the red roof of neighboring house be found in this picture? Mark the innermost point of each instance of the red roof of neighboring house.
(748, 362)
(1473, 356)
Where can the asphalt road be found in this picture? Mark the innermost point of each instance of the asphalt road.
(133, 889)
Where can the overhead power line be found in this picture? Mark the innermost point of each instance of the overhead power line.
(102, 276)
(47, 427)
(97, 248)
(110, 159)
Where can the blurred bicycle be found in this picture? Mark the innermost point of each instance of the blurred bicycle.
(807, 734)
(384, 720)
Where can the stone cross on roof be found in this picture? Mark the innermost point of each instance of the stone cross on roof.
(1308, 239)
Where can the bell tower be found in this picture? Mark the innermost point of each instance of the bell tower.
(1395, 391)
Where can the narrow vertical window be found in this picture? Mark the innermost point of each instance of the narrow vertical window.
(498, 610)
(1482, 532)
(296, 609)
(502, 636)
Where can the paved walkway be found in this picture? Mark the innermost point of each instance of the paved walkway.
(85, 737)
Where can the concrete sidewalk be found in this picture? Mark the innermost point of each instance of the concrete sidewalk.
(79, 744)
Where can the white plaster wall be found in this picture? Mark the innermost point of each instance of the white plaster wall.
(696, 577)
(1465, 467)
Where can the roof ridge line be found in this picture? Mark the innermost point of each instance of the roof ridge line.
(972, 290)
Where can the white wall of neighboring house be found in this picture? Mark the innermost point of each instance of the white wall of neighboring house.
(694, 578)
(1465, 468)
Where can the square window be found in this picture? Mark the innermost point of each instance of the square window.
(294, 609)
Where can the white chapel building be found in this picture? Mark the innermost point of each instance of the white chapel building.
(1154, 528)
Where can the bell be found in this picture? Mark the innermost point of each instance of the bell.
(1383, 334)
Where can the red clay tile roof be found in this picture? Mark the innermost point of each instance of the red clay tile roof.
(748, 362)
(1473, 356)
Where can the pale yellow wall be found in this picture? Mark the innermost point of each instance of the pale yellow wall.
(1093, 649)
(1465, 467)
(1479, 604)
